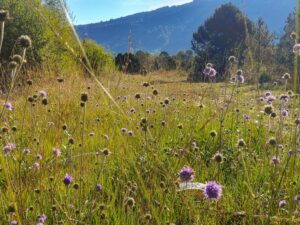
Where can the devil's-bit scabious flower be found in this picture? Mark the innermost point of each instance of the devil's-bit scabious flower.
(186, 174)
(68, 179)
(282, 204)
(296, 49)
(56, 152)
(212, 190)
(8, 106)
(43, 94)
(8, 148)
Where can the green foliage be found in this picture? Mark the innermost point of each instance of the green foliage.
(165, 62)
(284, 54)
(221, 35)
(128, 63)
(99, 60)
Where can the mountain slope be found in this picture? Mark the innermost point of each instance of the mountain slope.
(170, 28)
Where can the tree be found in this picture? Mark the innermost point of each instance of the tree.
(221, 35)
(284, 54)
(128, 63)
(165, 61)
(184, 60)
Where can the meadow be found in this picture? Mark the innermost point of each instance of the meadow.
(82, 142)
(74, 155)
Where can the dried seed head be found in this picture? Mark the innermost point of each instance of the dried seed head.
(17, 58)
(4, 15)
(84, 97)
(25, 41)
(12, 65)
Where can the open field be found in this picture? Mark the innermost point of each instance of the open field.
(79, 157)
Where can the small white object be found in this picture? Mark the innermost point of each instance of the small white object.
(191, 186)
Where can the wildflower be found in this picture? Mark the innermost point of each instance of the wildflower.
(84, 97)
(293, 36)
(284, 98)
(282, 204)
(98, 188)
(42, 219)
(130, 133)
(36, 165)
(297, 122)
(14, 222)
(246, 117)
(26, 151)
(56, 152)
(24, 41)
(212, 190)
(68, 179)
(9, 148)
(106, 152)
(4, 15)
(286, 76)
(297, 197)
(123, 130)
(270, 99)
(130, 202)
(218, 157)
(91, 134)
(241, 143)
(232, 59)
(268, 109)
(296, 48)
(43, 93)
(240, 78)
(284, 113)
(8, 106)
(268, 94)
(209, 71)
(186, 174)
(275, 160)
(17, 58)
(213, 133)
(272, 141)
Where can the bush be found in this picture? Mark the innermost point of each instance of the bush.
(99, 60)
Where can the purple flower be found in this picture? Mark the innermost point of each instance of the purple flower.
(26, 151)
(123, 130)
(42, 219)
(14, 222)
(98, 188)
(296, 48)
(270, 99)
(212, 190)
(275, 160)
(68, 179)
(56, 152)
(297, 197)
(186, 174)
(285, 113)
(91, 134)
(39, 157)
(209, 71)
(240, 78)
(43, 93)
(282, 203)
(130, 133)
(36, 165)
(132, 110)
(267, 94)
(8, 106)
(9, 148)
(246, 117)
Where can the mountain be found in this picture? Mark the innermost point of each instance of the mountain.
(170, 28)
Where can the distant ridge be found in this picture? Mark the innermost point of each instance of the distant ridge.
(170, 28)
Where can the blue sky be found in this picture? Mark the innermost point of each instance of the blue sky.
(89, 11)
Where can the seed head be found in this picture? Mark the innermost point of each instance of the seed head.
(25, 41)
(4, 15)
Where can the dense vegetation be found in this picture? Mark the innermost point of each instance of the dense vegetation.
(147, 149)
